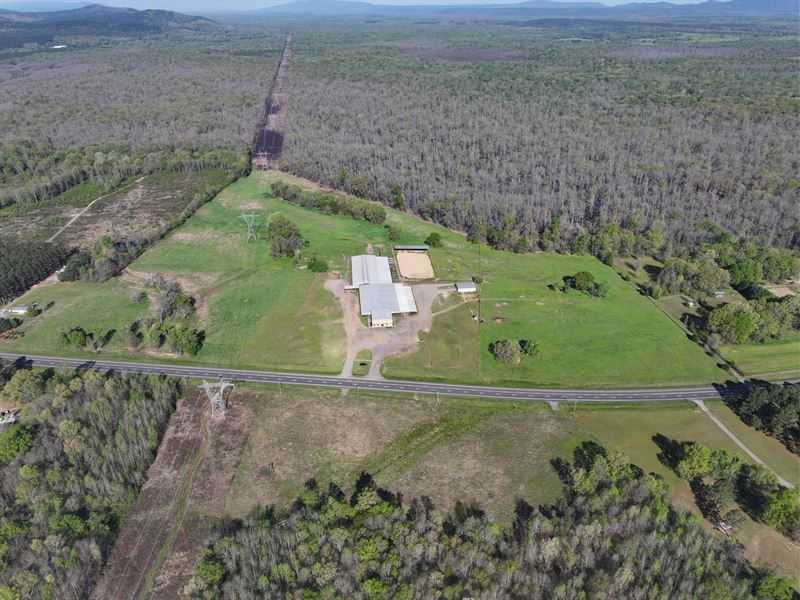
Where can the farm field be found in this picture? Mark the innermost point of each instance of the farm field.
(259, 312)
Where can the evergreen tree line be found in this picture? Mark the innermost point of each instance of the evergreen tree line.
(612, 535)
(70, 468)
(773, 409)
(23, 264)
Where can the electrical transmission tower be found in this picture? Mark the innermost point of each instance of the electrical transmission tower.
(250, 220)
(216, 396)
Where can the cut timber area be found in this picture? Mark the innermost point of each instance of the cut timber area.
(268, 141)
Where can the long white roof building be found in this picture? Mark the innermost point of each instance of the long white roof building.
(380, 298)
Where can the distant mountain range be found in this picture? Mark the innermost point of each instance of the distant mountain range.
(540, 8)
(42, 28)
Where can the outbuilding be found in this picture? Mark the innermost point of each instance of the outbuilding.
(466, 287)
(21, 309)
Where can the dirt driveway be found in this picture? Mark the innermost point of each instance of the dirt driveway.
(400, 339)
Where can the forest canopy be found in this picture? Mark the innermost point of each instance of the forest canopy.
(69, 469)
(612, 535)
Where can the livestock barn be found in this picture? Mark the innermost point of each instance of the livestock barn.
(379, 296)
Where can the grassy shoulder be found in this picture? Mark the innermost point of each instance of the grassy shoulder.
(362, 363)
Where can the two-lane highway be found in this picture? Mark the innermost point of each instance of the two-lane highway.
(407, 387)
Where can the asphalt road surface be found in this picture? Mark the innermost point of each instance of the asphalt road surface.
(408, 387)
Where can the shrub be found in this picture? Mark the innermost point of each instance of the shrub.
(434, 239)
(317, 265)
(506, 351)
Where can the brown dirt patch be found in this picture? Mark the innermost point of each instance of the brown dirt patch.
(414, 265)
(208, 495)
(464, 470)
(780, 291)
(304, 434)
(194, 237)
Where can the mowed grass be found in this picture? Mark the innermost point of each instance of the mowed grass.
(772, 359)
(620, 340)
(259, 312)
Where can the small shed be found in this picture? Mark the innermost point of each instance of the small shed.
(411, 248)
(718, 294)
(466, 287)
(21, 309)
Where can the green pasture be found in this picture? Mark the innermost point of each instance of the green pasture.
(772, 359)
(619, 340)
(259, 312)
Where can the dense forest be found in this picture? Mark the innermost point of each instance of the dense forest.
(70, 467)
(508, 130)
(613, 535)
(23, 264)
(105, 111)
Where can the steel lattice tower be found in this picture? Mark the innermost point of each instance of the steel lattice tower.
(216, 396)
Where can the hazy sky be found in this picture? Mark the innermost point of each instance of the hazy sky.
(206, 5)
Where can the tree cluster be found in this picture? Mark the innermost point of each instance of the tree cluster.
(283, 236)
(330, 203)
(612, 535)
(166, 327)
(23, 264)
(70, 468)
(510, 352)
(754, 321)
(773, 409)
(721, 481)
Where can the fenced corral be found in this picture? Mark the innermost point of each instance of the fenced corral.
(414, 262)
(268, 139)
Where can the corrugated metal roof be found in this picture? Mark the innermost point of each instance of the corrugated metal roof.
(366, 268)
(405, 298)
(411, 247)
(466, 286)
(378, 297)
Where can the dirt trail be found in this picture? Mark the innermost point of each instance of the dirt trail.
(702, 406)
(146, 530)
(87, 207)
(400, 339)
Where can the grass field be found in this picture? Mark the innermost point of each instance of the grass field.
(631, 429)
(773, 359)
(259, 312)
(489, 452)
(362, 363)
(620, 340)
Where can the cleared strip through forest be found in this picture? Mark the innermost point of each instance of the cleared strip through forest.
(268, 140)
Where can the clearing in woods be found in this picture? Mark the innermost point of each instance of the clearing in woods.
(273, 440)
(261, 312)
(136, 210)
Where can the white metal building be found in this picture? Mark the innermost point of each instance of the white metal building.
(380, 298)
(466, 287)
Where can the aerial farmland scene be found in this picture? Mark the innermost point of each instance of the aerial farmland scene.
(432, 299)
